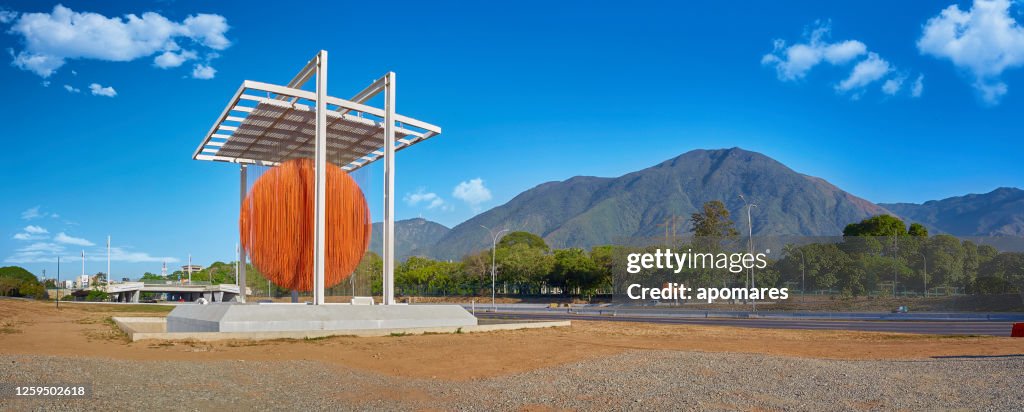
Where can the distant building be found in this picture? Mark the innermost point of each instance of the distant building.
(193, 268)
(68, 284)
(83, 281)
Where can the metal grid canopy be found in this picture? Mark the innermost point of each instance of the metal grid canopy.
(266, 124)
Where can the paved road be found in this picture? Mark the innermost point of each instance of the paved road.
(923, 327)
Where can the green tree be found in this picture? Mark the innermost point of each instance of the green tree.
(713, 221)
(826, 264)
(16, 281)
(1008, 267)
(918, 230)
(523, 265)
(18, 273)
(520, 237)
(574, 271)
(369, 275)
(97, 295)
(476, 271)
(880, 225)
(946, 261)
(604, 258)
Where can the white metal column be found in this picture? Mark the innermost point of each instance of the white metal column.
(321, 178)
(241, 251)
(389, 189)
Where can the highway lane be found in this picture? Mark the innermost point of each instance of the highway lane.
(921, 327)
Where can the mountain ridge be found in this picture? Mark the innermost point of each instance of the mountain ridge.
(585, 211)
(999, 212)
(410, 234)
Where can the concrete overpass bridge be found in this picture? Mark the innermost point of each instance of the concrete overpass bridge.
(132, 291)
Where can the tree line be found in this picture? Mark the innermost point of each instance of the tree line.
(879, 255)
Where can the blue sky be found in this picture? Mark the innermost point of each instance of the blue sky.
(527, 92)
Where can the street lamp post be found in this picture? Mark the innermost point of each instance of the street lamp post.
(494, 256)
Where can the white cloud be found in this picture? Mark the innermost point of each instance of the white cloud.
(98, 90)
(51, 39)
(472, 192)
(171, 59)
(7, 16)
(31, 213)
(867, 71)
(31, 232)
(203, 71)
(892, 86)
(71, 240)
(47, 252)
(208, 29)
(120, 255)
(918, 86)
(71, 89)
(36, 252)
(983, 41)
(41, 248)
(35, 230)
(793, 62)
(429, 199)
(35, 213)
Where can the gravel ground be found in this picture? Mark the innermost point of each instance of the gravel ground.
(637, 380)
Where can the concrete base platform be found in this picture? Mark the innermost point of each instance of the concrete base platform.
(155, 328)
(302, 318)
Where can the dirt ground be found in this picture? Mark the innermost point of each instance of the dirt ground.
(38, 328)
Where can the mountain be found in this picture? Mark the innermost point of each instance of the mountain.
(585, 211)
(410, 235)
(996, 213)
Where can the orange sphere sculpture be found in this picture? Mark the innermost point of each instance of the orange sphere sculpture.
(277, 225)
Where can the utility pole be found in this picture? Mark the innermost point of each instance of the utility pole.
(108, 259)
(58, 281)
(494, 254)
